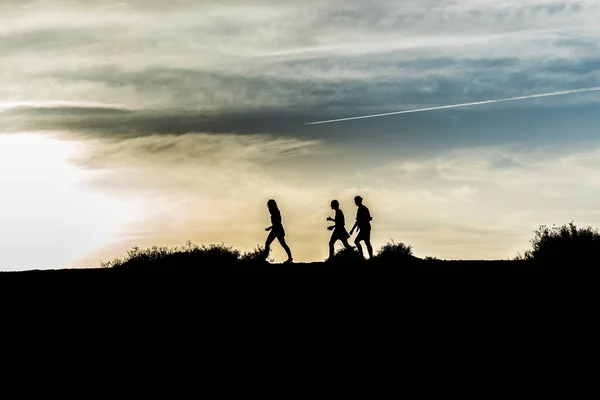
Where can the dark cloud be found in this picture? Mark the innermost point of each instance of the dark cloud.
(386, 136)
(303, 93)
(297, 64)
(52, 39)
(505, 162)
(581, 67)
(115, 122)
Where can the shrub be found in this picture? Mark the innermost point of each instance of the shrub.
(346, 256)
(255, 256)
(185, 256)
(563, 244)
(393, 252)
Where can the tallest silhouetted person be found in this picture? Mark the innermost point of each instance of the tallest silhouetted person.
(276, 231)
(363, 224)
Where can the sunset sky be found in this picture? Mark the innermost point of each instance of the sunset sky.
(152, 122)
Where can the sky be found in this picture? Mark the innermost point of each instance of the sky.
(141, 123)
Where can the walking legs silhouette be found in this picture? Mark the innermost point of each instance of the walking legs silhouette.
(359, 248)
(283, 243)
(346, 244)
(270, 239)
(367, 244)
(332, 244)
(369, 248)
(285, 247)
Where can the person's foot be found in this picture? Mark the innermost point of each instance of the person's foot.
(289, 260)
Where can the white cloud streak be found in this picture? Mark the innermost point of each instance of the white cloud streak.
(477, 103)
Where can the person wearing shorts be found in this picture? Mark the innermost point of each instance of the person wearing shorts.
(339, 229)
(363, 225)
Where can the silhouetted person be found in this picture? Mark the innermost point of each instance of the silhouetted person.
(339, 229)
(363, 224)
(276, 231)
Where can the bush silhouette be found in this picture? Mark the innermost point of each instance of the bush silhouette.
(393, 252)
(563, 244)
(255, 256)
(346, 256)
(190, 255)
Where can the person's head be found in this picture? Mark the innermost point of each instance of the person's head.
(272, 205)
(335, 204)
(358, 200)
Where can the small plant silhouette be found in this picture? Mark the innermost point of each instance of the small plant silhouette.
(256, 256)
(563, 244)
(186, 256)
(346, 256)
(393, 252)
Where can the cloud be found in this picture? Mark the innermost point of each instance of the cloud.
(195, 149)
(335, 55)
(123, 122)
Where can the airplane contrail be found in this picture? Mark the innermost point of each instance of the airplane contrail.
(476, 103)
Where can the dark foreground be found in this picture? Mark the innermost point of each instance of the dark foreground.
(193, 291)
(197, 271)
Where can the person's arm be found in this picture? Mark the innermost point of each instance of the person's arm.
(269, 228)
(330, 228)
(354, 227)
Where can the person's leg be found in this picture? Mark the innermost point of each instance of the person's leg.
(331, 247)
(358, 247)
(367, 238)
(268, 242)
(369, 248)
(285, 247)
(346, 244)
